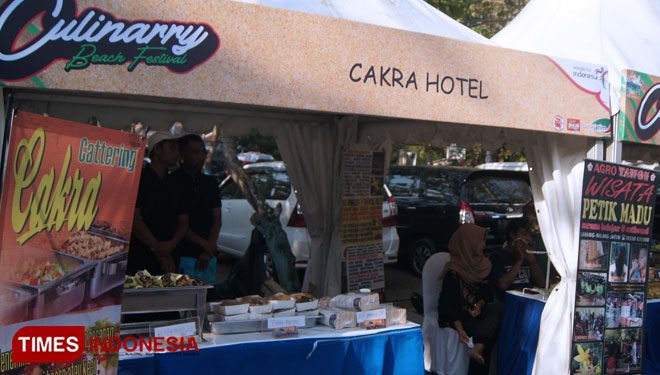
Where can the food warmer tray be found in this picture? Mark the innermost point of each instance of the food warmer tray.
(61, 295)
(243, 326)
(149, 300)
(16, 304)
(106, 273)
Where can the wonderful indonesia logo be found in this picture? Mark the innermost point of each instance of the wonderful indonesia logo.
(95, 37)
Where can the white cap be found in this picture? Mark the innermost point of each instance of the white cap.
(365, 291)
(158, 137)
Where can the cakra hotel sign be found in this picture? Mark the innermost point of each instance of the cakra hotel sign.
(94, 36)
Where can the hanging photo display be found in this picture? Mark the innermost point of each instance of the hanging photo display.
(610, 297)
(362, 210)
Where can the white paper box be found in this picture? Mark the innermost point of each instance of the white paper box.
(284, 313)
(261, 309)
(259, 316)
(305, 306)
(232, 318)
(219, 308)
(283, 304)
(314, 312)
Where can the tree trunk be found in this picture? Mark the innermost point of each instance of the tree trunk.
(266, 220)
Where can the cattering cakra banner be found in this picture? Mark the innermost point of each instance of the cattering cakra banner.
(68, 198)
(640, 116)
(232, 52)
(610, 298)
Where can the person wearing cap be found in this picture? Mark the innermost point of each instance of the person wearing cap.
(204, 197)
(161, 212)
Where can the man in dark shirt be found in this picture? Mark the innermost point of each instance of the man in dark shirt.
(161, 217)
(203, 196)
(513, 266)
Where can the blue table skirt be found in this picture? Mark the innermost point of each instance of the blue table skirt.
(391, 352)
(519, 336)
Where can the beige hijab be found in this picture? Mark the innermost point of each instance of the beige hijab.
(467, 256)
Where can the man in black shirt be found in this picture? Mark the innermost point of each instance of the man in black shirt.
(203, 196)
(513, 266)
(161, 218)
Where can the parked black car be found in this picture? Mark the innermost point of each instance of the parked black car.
(433, 202)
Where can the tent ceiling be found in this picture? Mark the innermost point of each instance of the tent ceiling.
(119, 111)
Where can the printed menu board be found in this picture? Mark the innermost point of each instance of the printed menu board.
(613, 262)
(361, 219)
(68, 198)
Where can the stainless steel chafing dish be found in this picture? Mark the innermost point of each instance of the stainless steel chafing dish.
(16, 304)
(62, 294)
(176, 298)
(106, 273)
(188, 299)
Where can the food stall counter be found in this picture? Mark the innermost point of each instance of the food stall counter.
(318, 350)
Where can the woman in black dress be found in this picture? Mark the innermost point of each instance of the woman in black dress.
(465, 301)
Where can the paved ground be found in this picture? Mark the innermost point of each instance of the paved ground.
(399, 285)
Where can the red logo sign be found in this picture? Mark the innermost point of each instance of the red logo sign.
(558, 123)
(48, 344)
(573, 124)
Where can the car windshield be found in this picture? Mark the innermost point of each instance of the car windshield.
(270, 183)
(496, 189)
(403, 185)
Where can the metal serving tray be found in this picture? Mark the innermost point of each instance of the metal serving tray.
(244, 326)
(60, 295)
(16, 304)
(178, 298)
(106, 273)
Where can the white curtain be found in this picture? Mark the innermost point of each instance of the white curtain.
(557, 167)
(313, 155)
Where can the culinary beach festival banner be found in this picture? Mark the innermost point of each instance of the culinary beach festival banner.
(363, 176)
(640, 115)
(68, 198)
(233, 52)
(615, 239)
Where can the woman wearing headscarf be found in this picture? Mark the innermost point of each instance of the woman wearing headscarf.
(466, 293)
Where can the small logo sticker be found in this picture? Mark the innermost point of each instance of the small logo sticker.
(573, 124)
(590, 167)
(558, 123)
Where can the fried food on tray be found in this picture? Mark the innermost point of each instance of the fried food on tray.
(303, 297)
(143, 279)
(253, 300)
(90, 246)
(280, 297)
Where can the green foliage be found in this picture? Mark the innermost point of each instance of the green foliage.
(255, 141)
(486, 17)
(426, 154)
(475, 155)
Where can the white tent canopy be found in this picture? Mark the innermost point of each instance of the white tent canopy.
(410, 15)
(619, 34)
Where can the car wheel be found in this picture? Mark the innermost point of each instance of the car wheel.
(420, 253)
